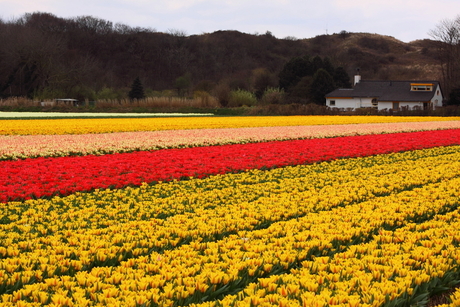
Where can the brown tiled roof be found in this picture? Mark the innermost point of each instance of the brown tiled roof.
(386, 91)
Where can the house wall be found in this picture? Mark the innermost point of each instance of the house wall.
(410, 105)
(437, 98)
(402, 104)
(340, 103)
(353, 103)
(364, 102)
(386, 105)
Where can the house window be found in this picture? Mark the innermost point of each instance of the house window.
(424, 87)
(395, 105)
(332, 103)
(375, 103)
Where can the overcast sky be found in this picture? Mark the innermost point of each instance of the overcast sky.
(406, 20)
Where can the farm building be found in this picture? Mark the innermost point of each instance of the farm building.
(388, 95)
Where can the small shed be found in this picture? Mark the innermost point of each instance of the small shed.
(66, 101)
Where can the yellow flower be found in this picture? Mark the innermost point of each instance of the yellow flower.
(61, 300)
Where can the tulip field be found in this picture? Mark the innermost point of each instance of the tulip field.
(230, 211)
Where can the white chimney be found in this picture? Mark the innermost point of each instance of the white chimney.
(357, 79)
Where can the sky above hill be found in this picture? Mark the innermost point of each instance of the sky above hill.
(406, 20)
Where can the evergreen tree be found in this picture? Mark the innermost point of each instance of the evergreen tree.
(137, 90)
(182, 84)
(293, 71)
(321, 84)
(341, 78)
(327, 65)
(302, 88)
(317, 63)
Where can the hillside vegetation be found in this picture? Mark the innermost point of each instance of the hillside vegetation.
(47, 57)
(43, 57)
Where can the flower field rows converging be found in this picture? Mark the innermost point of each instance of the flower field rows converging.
(357, 180)
(315, 220)
(14, 147)
(40, 177)
(99, 250)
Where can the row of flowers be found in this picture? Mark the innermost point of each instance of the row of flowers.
(82, 231)
(397, 268)
(177, 212)
(44, 177)
(348, 255)
(31, 146)
(349, 232)
(110, 125)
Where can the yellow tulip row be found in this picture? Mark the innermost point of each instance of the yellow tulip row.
(207, 269)
(111, 207)
(61, 236)
(108, 125)
(401, 266)
(167, 199)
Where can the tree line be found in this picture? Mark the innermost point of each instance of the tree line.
(44, 57)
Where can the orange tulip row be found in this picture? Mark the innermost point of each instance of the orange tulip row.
(30, 146)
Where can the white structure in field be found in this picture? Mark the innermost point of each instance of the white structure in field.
(392, 95)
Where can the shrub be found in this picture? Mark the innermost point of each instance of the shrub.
(222, 93)
(205, 99)
(240, 98)
(377, 44)
(273, 95)
(107, 93)
(344, 34)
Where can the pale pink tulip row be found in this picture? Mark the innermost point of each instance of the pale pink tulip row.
(18, 147)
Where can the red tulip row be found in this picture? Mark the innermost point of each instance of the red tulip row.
(44, 177)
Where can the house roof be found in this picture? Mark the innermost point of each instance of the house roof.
(387, 91)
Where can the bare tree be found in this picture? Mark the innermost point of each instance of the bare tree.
(92, 25)
(447, 39)
(27, 60)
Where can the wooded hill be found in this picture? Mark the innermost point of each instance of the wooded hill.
(44, 56)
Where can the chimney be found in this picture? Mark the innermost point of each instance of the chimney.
(357, 79)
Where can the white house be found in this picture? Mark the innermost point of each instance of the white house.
(387, 95)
